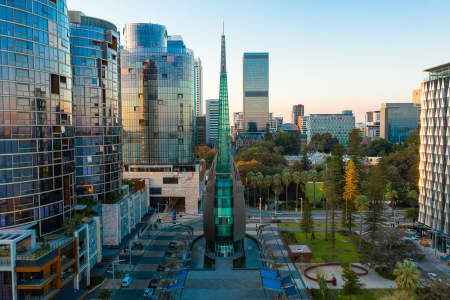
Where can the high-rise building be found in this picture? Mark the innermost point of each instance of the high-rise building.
(416, 94)
(198, 87)
(157, 97)
(371, 129)
(338, 125)
(275, 123)
(96, 106)
(157, 90)
(36, 135)
(224, 209)
(212, 122)
(256, 91)
(297, 111)
(434, 167)
(398, 121)
(201, 131)
(238, 121)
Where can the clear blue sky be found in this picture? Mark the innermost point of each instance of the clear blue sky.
(328, 55)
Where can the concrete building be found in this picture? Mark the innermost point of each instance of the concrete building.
(338, 125)
(371, 128)
(200, 131)
(275, 123)
(212, 122)
(96, 105)
(398, 121)
(416, 94)
(297, 111)
(434, 167)
(238, 121)
(256, 91)
(198, 87)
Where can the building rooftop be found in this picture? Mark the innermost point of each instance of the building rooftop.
(437, 69)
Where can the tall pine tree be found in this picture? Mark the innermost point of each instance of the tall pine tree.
(375, 215)
(351, 191)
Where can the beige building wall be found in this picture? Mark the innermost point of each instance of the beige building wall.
(416, 96)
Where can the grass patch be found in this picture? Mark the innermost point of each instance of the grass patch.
(363, 295)
(316, 224)
(345, 250)
(310, 191)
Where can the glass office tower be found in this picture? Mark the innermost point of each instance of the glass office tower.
(36, 134)
(157, 97)
(96, 106)
(256, 91)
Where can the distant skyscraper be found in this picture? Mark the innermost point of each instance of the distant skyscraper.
(96, 105)
(198, 87)
(37, 161)
(398, 121)
(238, 121)
(275, 123)
(371, 129)
(256, 91)
(212, 122)
(297, 111)
(434, 167)
(157, 97)
(338, 125)
(201, 130)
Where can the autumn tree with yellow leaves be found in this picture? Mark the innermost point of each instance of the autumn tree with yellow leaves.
(351, 191)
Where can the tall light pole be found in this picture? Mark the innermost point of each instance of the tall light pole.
(260, 217)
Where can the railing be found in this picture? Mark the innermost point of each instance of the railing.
(42, 250)
(4, 261)
(66, 262)
(35, 282)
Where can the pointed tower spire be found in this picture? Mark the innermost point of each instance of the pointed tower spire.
(224, 121)
(223, 59)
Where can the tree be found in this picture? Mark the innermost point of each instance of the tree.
(105, 295)
(307, 221)
(268, 134)
(386, 249)
(305, 164)
(323, 142)
(412, 214)
(352, 285)
(351, 191)
(438, 290)
(398, 295)
(276, 187)
(354, 142)
(378, 147)
(250, 182)
(361, 203)
(268, 183)
(206, 153)
(375, 192)
(259, 182)
(254, 183)
(297, 179)
(407, 275)
(286, 178)
(323, 287)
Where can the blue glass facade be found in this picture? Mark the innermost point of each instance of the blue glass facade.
(157, 97)
(398, 121)
(96, 106)
(36, 133)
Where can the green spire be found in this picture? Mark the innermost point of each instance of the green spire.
(223, 155)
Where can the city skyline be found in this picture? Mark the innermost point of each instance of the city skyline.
(364, 58)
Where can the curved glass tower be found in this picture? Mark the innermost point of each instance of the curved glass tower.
(157, 97)
(36, 134)
(96, 106)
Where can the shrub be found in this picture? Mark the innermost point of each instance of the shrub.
(289, 237)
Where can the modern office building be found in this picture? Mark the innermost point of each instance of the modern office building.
(212, 122)
(371, 129)
(157, 97)
(275, 123)
(198, 87)
(297, 111)
(338, 125)
(398, 121)
(96, 106)
(238, 121)
(201, 131)
(224, 207)
(157, 90)
(256, 91)
(36, 135)
(434, 167)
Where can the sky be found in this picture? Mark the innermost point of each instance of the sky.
(328, 55)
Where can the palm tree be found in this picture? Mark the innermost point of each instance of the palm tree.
(361, 203)
(407, 275)
(259, 182)
(268, 184)
(297, 179)
(276, 187)
(286, 178)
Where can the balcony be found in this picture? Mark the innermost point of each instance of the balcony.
(65, 262)
(66, 276)
(5, 261)
(35, 282)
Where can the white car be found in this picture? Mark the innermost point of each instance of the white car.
(148, 292)
(126, 281)
(431, 274)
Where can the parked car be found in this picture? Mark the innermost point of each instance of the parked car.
(153, 284)
(126, 281)
(148, 292)
(161, 268)
(432, 275)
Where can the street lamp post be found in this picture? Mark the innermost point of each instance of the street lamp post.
(260, 217)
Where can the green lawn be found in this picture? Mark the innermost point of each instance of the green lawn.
(345, 250)
(364, 295)
(310, 191)
(316, 224)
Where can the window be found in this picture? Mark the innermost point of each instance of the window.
(164, 75)
(63, 79)
(54, 82)
(170, 180)
(155, 191)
